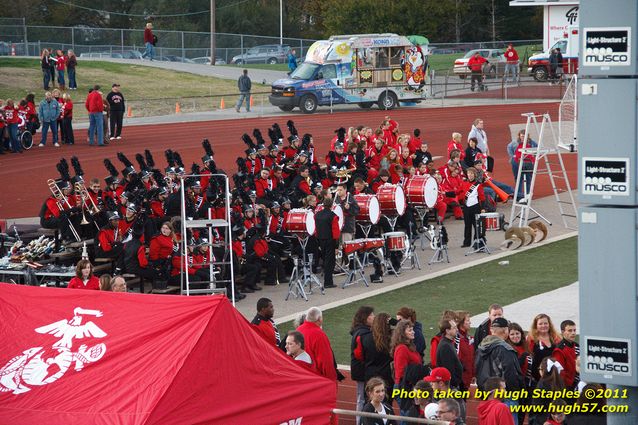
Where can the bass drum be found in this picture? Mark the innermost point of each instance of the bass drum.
(391, 200)
(300, 221)
(335, 209)
(369, 210)
(422, 191)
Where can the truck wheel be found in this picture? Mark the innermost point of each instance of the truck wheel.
(387, 100)
(239, 62)
(539, 73)
(272, 61)
(308, 104)
(286, 108)
(365, 105)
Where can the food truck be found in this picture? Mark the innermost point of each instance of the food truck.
(366, 69)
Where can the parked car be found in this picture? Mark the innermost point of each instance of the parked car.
(205, 60)
(495, 58)
(174, 58)
(268, 53)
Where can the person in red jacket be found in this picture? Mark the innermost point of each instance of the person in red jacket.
(95, 106)
(60, 66)
(67, 120)
(149, 41)
(12, 119)
(455, 143)
(110, 238)
(466, 347)
(84, 278)
(511, 65)
(476, 64)
(263, 324)
(451, 182)
(317, 344)
(404, 351)
(566, 352)
(493, 411)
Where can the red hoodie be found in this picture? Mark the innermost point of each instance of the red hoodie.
(494, 412)
(94, 103)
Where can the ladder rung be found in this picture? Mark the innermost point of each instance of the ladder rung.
(569, 215)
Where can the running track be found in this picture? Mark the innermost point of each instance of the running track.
(25, 175)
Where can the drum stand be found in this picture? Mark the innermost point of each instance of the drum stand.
(440, 241)
(392, 221)
(299, 280)
(355, 273)
(365, 229)
(479, 244)
(410, 255)
(422, 213)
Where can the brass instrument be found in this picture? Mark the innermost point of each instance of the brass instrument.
(61, 202)
(342, 175)
(80, 189)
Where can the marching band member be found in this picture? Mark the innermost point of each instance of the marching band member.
(350, 210)
(455, 143)
(109, 238)
(328, 234)
(451, 186)
(472, 196)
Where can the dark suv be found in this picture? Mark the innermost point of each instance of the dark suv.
(267, 53)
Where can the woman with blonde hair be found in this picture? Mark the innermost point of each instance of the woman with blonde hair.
(71, 63)
(67, 119)
(541, 341)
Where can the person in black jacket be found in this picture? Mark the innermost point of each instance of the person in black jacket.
(116, 104)
(133, 259)
(446, 354)
(361, 324)
(494, 311)
(376, 350)
(327, 224)
(375, 390)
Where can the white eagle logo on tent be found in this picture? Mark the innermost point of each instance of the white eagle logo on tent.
(30, 369)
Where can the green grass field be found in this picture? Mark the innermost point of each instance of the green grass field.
(150, 91)
(529, 273)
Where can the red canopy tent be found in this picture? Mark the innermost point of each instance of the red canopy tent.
(88, 357)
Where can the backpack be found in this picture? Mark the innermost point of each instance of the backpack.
(154, 40)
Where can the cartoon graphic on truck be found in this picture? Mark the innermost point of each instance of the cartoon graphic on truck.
(538, 65)
(368, 69)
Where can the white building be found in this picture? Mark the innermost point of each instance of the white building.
(557, 16)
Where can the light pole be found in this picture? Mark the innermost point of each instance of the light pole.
(281, 22)
(212, 32)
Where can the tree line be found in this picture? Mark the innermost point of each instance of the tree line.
(440, 20)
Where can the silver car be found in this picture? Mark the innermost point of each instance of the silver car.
(495, 66)
(268, 53)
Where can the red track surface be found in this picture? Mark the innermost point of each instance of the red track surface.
(24, 176)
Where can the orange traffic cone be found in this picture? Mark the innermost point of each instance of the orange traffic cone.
(178, 110)
(222, 105)
(251, 101)
(129, 114)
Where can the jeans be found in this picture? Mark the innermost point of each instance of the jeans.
(150, 51)
(361, 398)
(45, 129)
(243, 96)
(13, 136)
(96, 125)
(509, 403)
(61, 77)
(72, 83)
(46, 78)
(511, 68)
(526, 179)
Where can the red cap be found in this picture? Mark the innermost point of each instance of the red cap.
(438, 374)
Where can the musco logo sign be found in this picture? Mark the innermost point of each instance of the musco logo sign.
(606, 176)
(607, 46)
(608, 356)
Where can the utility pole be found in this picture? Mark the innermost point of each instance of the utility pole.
(493, 21)
(281, 22)
(212, 32)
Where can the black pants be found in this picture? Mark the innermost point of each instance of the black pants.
(477, 77)
(116, 123)
(275, 269)
(328, 247)
(67, 126)
(470, 220)
(251, 273)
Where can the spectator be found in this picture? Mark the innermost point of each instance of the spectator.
(244, 84)
(292, 61)
(67, 120)
(149, 42)
(57, 96)
(118, 284)
(45, 58)
(511, 65)
(117, 107)
(494, 311)
(48, 113)
(551, 381)
(517, 340)
(376, 350)
(95, 106)
(541, 341)
(407, 313)
(465, 348)
(318, 344)
(492, 411)
(450, 411)
(470, 152)
(528, 164)
(434, 342)
(476, 64)
(71, 64)
(595, 415)
(361, 324)
(566, 352)
(422, 398)
(60, 66)
(12, 120)
(105, 283)
(455, 144)
(446, 353)
(263, 323)
(84, 278)
(295, 348)
(405, 355)
(52, 62)
(439, 378)
(375, 390)
(478, 132)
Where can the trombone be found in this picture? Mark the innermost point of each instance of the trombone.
(61, 203)
(80, 189)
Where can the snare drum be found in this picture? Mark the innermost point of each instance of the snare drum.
(422, 191)
(300, 221)
(335, 209)
(368, 208)
(391, 200)
(353, 246)
(396, 241)
(373, 243)
(493, 221)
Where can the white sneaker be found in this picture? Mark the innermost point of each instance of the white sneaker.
(57, 145)
(41, 145)
(119, 137)
(111, 138)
